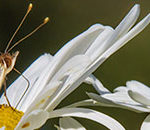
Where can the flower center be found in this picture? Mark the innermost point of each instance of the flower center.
(9, 117)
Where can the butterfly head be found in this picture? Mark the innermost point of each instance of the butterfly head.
(8, 60)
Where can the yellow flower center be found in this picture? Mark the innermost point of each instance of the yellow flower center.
(9, 117)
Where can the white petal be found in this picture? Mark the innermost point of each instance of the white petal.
(76, 46)
(75, 64)
(67, 52)
(127, 37)
(146, 123)
(79, 63)
(71, 84)
(120, 42)
(102, 101)
(128, 21)
(81, 43)
(88, 102)
(118, 99)
(139, 92)
(31, 94)
(43, 99)
(139, 98)
(96, 84)
(17, 88)
(121, 89)
(101, 118)
(33, 121)
(107, 38)
(68, 123)
(99, 45)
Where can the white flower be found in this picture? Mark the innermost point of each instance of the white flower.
(52, 78)
(135, 96)
(34, 107)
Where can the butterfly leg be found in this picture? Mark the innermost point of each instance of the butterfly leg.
(28, 84)
(6, 94)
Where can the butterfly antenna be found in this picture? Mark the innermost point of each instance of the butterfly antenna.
(22, 21)
(28, 35)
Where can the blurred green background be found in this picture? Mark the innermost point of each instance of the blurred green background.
(68, 19)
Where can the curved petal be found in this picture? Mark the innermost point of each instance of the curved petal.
(101, 118)
(33, 121)
(127, 37)
(138, 87)
(73, 65)
(146, 123)
(68, 123)
(128, 21)
(139, 92)
(99, 45)
(118, 99)
(121, 89)
(96, 84)
(120, 42)
(42, 100)
(114, 35)
(74, 68)
(76, 46)
(139, 98)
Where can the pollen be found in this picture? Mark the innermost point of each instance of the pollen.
(9, 117)
(26, 125)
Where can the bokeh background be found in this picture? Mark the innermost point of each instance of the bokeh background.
(68, 19)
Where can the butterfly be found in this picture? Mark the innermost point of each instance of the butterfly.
(8, 60)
